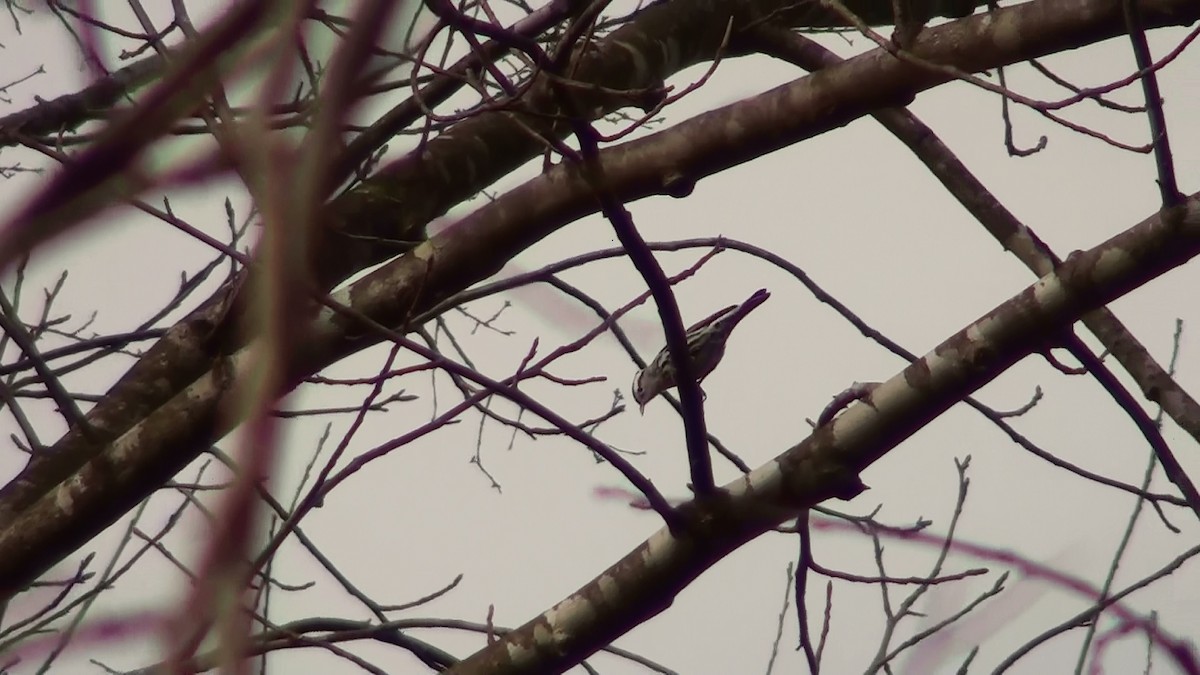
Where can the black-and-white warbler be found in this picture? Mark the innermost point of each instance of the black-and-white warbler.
(706, 343)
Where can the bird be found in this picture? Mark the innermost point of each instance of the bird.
(706, 345)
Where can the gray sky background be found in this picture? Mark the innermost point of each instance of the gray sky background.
(860, 215)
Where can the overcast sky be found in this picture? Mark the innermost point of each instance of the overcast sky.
(857, 212)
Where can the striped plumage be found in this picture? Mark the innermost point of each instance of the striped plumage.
(706, 344)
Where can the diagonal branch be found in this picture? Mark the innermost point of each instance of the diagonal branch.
(826, 464)
(386, 215)
(46, 516)
(1155, 383)
(68, 112)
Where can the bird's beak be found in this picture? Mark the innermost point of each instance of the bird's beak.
(642, 409)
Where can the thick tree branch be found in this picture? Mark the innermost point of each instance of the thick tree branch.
(826, 464)
(386, 215)
(1154, 381)
(69, 111)
(46, 520)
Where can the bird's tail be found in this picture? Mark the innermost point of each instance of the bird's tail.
(757, 298)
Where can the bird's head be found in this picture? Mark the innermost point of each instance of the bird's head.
(643, 389)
